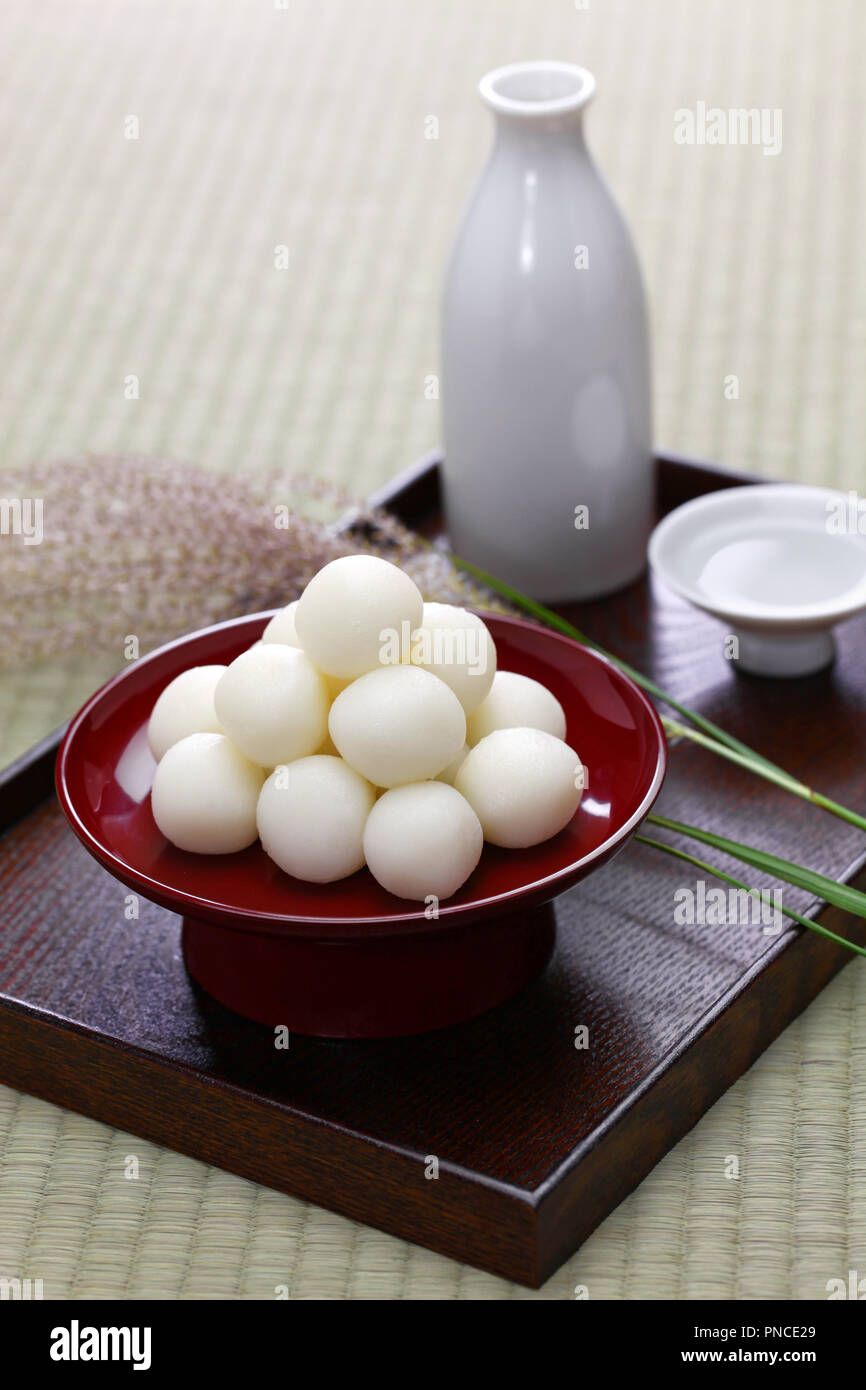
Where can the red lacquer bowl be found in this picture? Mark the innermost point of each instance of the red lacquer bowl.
(348, 959)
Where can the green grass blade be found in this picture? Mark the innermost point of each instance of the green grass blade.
(779, 778)
(839, 894)
(736, 883)
(674, 729)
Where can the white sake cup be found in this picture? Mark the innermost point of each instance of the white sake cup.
(779, 563)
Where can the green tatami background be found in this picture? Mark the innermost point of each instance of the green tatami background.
(304, 125)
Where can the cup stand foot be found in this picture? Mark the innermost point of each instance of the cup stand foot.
(802, 654)
(372, 987)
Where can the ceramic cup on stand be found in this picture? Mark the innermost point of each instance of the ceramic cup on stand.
(779, 564)
(548, 473)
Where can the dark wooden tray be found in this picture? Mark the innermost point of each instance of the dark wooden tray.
(536, 1140)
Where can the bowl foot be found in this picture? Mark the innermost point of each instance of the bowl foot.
(793, 654)
(380, 988)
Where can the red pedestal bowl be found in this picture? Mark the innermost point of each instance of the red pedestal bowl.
(347, 959)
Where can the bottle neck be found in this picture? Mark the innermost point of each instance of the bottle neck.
(538, 102)
(538, 108)
(536, 137)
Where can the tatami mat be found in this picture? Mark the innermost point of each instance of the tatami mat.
(303, 125)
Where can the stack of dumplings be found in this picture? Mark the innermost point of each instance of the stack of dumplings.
(365, 728)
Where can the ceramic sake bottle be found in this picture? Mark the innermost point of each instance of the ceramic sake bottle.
(548, 478)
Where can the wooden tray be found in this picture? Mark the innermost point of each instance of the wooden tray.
(536, 1140)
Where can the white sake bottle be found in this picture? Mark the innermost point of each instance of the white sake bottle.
(548, 475)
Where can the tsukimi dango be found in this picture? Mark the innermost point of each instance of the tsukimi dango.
(351, 609)
(516, 702)
(397, 724)
(281, 628)
(311, 816)
(186, 706)
(364, 727)
(450, 772)
(272, 702)
(422, 841)
(523, 784)
(205, 793)
(456, 646)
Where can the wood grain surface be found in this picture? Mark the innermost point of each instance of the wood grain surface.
(536, 1140)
